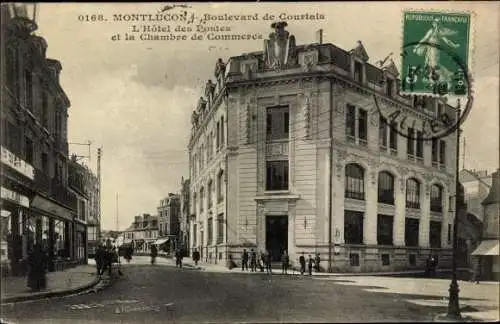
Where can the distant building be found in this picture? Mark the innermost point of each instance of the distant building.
(476, 186)
(169, 211)
(142, 233)
(488, 250)
(184, 215)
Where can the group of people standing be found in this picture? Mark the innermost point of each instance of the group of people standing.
(264, 262)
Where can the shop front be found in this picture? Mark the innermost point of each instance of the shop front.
(80, 243)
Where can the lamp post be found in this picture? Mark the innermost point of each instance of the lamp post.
(453, 302)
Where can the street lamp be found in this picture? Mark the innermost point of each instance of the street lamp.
(453, 302)
(24, 16)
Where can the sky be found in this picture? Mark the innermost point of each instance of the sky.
(134, 98)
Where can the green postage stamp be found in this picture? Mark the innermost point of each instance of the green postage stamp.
(435, 53)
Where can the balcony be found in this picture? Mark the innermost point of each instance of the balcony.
(54, 189)
(277, 149)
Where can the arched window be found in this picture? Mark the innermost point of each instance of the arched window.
(436, 198)
(354, 182)
(385, 188)
(412, 193)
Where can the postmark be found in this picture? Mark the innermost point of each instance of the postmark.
(426, 68)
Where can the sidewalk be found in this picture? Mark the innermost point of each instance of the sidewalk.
(59, 283)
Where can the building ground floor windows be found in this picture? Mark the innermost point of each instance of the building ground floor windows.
(23, 226)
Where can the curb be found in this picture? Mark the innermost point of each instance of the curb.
(50, 294)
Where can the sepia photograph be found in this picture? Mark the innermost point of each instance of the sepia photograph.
(250, 162)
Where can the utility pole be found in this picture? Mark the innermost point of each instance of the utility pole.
(99, 155)
(463, 156)
(88, 143)
(117, 212)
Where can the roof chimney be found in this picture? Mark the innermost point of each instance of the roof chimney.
(319, 36)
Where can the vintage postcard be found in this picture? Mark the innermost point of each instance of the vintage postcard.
(238, 162)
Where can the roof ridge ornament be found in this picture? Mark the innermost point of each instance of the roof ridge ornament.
(279, 49)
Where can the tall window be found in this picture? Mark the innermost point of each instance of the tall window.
(12, 68)
(350, 121)
(411, 231)
(220, 186)
(393, 137)
(29, 89)
(411, 142)
(45, 109)
(384, 229)
(354, 182)
(220, 228)
(435, 143)
(412, 193)
(277, 123)
(45, 163)
(442, 152)
(202, 199)
(209, 194)
(436, 198)
(218, 136)
(210, 229)
(195, 230)
(358, 72)
(194, 203)
(277, 175)
(363, 125)
(382, 132)
(353, 227)
(28, 150)
(222, 133)
(420, 145)
(13, 138)
(385, 188)
(435, 234)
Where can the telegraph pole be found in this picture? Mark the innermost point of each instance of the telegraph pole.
(88, 143)
(99, 155)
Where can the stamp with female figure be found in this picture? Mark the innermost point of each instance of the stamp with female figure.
(435, 54)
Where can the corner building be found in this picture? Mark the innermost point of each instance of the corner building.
(289, 152)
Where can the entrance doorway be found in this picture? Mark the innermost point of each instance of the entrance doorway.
(276, 235)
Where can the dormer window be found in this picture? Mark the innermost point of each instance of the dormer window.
(358, 72)
(390, 87)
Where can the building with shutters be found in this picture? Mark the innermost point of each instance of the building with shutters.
(169, 213)
(37, 205)
(288, 152)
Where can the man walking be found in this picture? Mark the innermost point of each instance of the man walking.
(285, 260)
(310, 264)
(302, 262)
(244, 260)
(317, 261)
(253, 261)
(268, 262)
(99, 259)
(196, 257)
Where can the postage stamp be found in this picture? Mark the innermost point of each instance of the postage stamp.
(436, 50)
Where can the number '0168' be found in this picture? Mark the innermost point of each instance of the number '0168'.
(88, 18)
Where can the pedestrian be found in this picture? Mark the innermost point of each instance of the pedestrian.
(317, 261)
(253, 261)
(268, 262)
(302, 262)
(310, 264)
(37, 263)
(244, 260)
(196, 257)
(99, 258)
(285, 260)
(430, 266)
(476, 269)
(262, 262)
(154, 253)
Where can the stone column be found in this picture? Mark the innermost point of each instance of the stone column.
(370, 220)
(425, 218)
(400, 209)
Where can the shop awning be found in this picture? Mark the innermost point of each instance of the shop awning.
(161, 241)
(487, 247)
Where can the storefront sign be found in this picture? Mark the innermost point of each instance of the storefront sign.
(17, 163)
(15, 197)
(51, 207)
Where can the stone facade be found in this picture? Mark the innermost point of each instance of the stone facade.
(314, 86)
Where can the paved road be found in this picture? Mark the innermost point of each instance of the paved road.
(162, 293)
